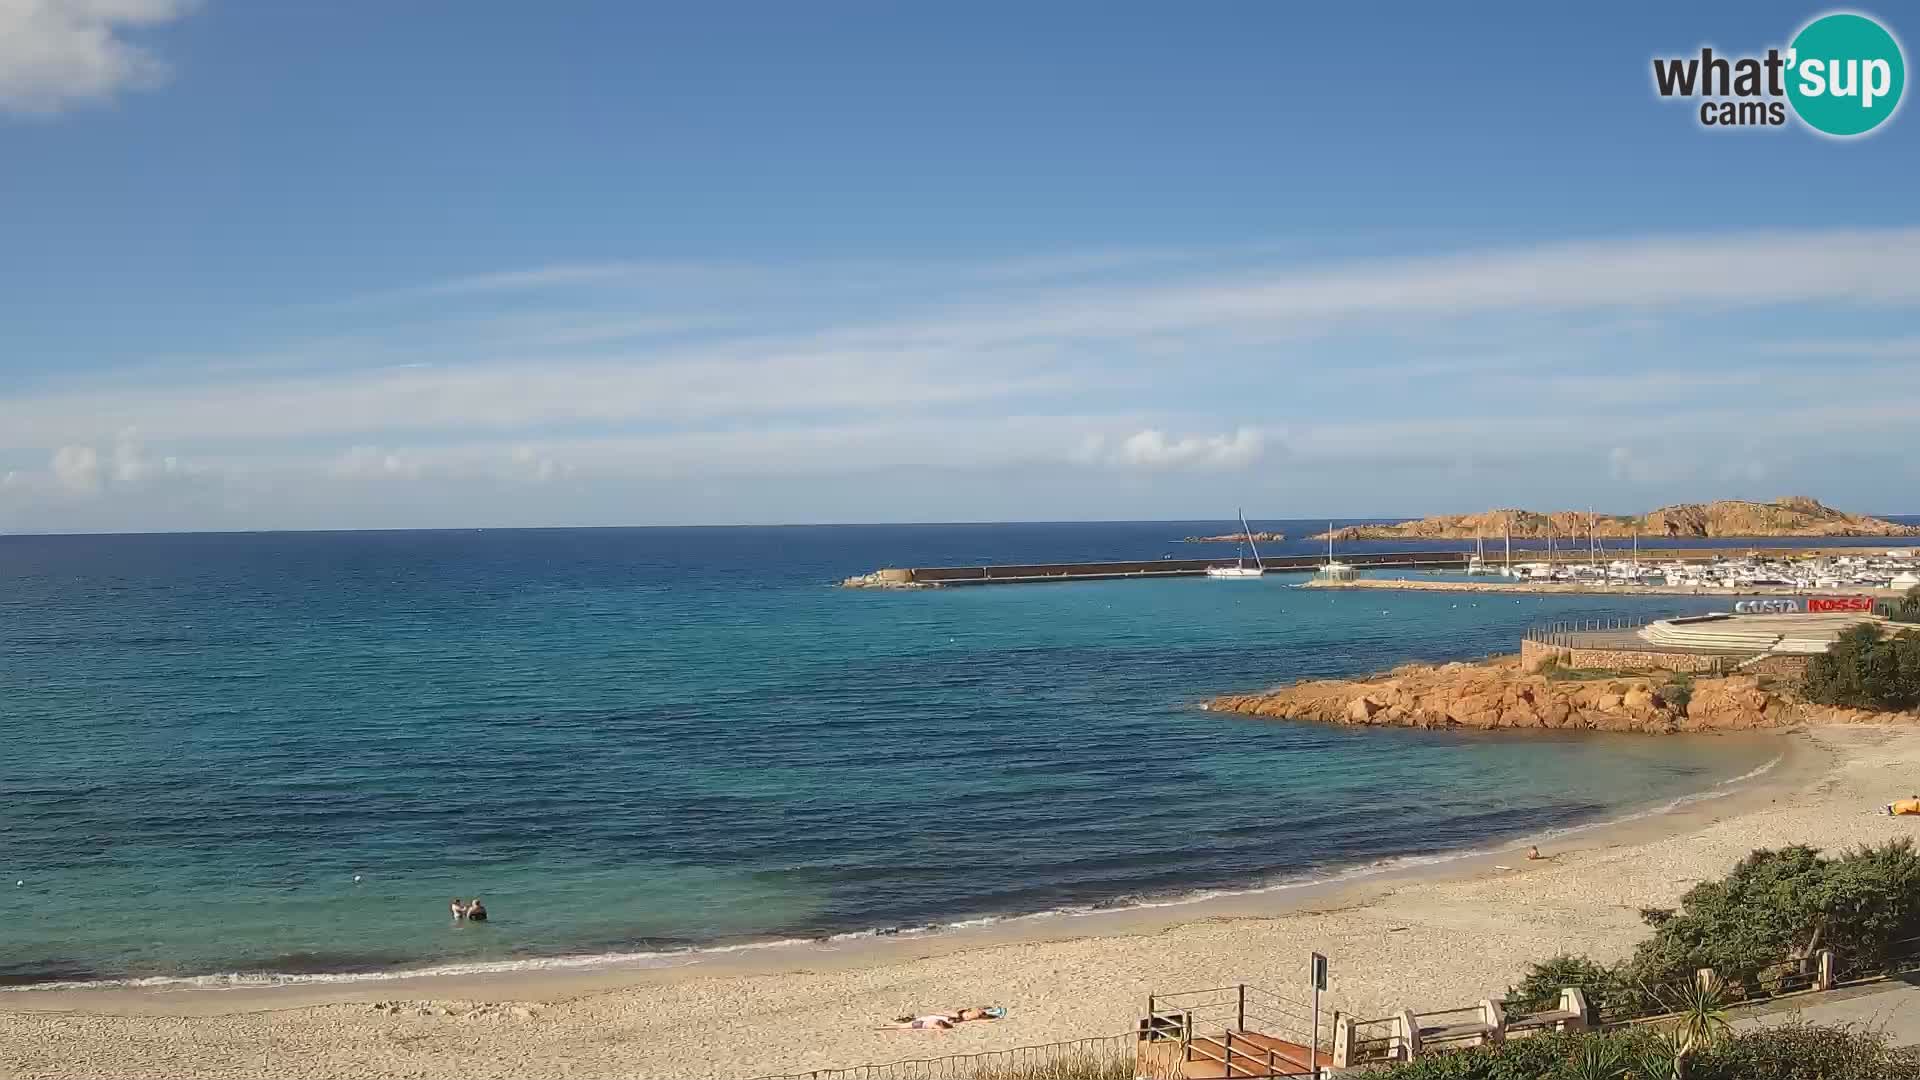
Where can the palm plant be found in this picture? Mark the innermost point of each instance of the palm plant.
(1599, 1060)
(1700, 1019)
(1657, 1061)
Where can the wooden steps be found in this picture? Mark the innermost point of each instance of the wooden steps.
(1209, 1059)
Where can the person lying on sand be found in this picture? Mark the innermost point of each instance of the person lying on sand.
(931, 1022)
(946, 1020)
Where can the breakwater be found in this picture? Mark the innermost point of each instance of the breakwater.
(927, 577)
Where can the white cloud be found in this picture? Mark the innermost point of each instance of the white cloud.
(365, 461)
(1152, 449)
(77, 468)
(1628, 465)
(1059, 341)
(55, 54)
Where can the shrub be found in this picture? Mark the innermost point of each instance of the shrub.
(1805, 1052)
(1791, 1052)
(1866, 669)
(1778, 907)
(1605, 988)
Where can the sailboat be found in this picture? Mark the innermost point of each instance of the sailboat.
(1240, 569)
(1477, 565)
(1334, 570)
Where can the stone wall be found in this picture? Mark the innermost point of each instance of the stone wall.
(1785, 667)
(1534, 653)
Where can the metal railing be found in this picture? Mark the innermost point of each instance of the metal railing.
(1565, 633)
(1234, 1026)
(1237, 1008)
(1103, 1056)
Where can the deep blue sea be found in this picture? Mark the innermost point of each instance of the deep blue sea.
(283, 753)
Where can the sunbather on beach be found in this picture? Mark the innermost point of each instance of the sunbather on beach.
(945, 1020)
(930, 1022)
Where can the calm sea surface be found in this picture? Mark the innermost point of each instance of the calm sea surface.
(283, 753)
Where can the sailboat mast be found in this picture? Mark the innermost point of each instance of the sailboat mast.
(1509, 523)
(1256, 547)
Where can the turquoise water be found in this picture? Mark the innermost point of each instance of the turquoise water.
(284, 753)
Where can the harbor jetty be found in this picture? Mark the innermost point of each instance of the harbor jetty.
(933, 577)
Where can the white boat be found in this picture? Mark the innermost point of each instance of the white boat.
(1240, 569)
(1335, 570)
(1477, 565)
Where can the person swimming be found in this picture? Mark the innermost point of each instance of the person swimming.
(459, 909)
(476, 911)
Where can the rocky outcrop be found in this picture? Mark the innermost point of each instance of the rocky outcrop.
(1792, 516)
(1499, 695)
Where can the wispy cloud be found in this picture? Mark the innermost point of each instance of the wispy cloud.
(1411, 364)
(1152, 448)
(56, 54)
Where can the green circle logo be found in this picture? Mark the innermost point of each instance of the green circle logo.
(1845, 74)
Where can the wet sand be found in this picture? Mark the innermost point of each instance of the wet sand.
(1429, 937)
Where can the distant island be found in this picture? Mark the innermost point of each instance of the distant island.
(1230, 538)
(1793, 516)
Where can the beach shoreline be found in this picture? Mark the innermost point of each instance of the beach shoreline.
(1456, 929)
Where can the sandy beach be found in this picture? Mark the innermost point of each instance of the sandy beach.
(1436, 936)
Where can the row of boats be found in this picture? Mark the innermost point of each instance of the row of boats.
(1867, 570)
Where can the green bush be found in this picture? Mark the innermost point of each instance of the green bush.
(1607, 991)
(1792, 1052)
(1778, 907)
(1677, 692)
(1866, 669)
(1805, 1052)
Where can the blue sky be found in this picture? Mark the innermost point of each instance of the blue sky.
(445, 264)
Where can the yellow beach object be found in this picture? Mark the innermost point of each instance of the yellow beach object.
(1905, 806)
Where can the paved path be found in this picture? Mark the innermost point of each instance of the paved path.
(1892, 1006)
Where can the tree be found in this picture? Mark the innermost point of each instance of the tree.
(1777, 908)
(1866, 669)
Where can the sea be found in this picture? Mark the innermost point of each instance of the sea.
(275, 757)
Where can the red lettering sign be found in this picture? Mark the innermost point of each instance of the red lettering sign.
(1840, 603)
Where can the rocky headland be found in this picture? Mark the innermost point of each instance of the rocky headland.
(1498, 694)
(1793, 516)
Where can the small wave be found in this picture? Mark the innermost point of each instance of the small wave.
(258, 979)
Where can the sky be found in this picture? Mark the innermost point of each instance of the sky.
(480, 264)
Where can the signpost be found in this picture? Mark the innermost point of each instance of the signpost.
(1319, 965)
